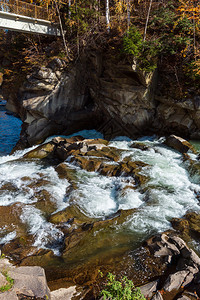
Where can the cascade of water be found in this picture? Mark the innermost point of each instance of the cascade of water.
(168, 193)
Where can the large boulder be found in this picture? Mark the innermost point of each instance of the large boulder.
(179, 144)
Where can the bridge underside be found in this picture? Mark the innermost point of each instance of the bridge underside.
(20, 23)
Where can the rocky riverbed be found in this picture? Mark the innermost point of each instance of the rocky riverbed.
(77, 205)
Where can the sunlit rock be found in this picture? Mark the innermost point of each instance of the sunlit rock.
(41, 152)
(179, 144)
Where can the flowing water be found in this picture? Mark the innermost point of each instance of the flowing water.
(9, 130)
(169, 192)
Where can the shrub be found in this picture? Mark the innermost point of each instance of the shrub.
(121, 290)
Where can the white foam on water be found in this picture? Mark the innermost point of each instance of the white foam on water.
(18, 154)
(130, 199)
(96, 194)
(8, 237)
(16, 175)
(169, 192)
(86, 134)
(46, 235)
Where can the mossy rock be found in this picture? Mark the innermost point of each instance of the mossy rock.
(111, 153)
(45, 202)
(188, 226)
(65, 172)
(194, 222)
(70, 214)
(90, 234)
(107, 169)
(8, 186)
(43, 151)
(134, 168)
(193, 166)
(42, 258)
(19, 248)
(86, 163)
(10, 217)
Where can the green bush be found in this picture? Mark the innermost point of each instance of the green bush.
(132, 43)
(144, 52)
(121, 290)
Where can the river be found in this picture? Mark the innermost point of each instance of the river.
(10, 128)
(169, 192)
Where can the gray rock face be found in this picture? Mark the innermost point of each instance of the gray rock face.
(183, 271)
(149, 289)
(116, 98)
(63, 294)
(30, 282)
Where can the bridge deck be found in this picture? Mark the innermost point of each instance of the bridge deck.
(25, 17)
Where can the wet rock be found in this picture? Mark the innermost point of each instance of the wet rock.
(82, 236)
(41, 152)
(45, 202)
(71, 214)
(149, 289)
(108, 169)
(181, 225)
(19, 248)
(86, 163)
(68, 147)
(188, 226)
(179, 144)
(10, 219)
(65, 172)
(140, 146)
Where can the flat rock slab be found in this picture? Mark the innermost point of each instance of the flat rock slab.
(149, 289)
(63, 294)
(10, 295)
(30, 281)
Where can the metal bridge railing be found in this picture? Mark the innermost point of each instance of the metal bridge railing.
(26, 9)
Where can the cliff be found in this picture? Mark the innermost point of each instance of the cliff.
(101, 92)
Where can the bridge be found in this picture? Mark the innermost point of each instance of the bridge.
(26, 17)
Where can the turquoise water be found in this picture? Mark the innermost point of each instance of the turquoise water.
(196, 144)
(10, 128)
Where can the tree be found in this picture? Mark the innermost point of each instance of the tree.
(147, 20)
(107, 15)
(191, 10)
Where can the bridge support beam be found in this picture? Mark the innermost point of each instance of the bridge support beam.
(20, 23)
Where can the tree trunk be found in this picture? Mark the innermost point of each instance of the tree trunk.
(128, 15)
(69, 7)
(147, 20)
(61, 29)
(107, 16)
